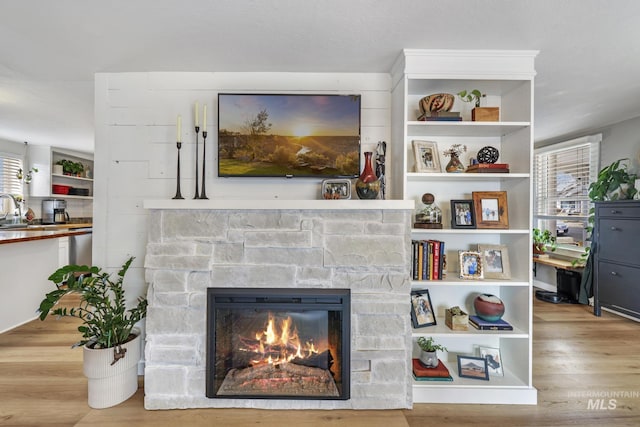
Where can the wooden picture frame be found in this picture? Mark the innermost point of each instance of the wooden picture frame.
(463, 214)
(491, 209)
(336, 189)
(427, 158)
(470, 265)
(473, 367)
(495, 259)
(422, 313)
(494, 361)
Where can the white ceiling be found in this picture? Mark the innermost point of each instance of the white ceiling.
(588, 67)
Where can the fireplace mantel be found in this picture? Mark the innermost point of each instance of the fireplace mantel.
(277, 204)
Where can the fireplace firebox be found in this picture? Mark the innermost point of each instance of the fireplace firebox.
(267, 343)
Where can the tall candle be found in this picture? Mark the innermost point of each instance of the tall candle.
(204, 118)
(179, 129)
(197, 114)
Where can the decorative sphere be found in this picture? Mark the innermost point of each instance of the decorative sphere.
(488, 307)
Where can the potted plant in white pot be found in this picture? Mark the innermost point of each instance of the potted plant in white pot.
(429, 352)
(111, 345)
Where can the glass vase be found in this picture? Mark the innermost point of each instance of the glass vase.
(368, 184)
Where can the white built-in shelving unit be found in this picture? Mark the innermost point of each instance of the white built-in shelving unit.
(506, 77)
(44, 157)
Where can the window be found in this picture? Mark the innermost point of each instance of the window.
(563, 173)
(10, 164)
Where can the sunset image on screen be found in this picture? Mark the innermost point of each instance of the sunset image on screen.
(288, 135)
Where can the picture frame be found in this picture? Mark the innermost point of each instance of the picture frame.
(463, 214)
(422, 313)
(470, 265)
(494, 361)
(336, 189)
(491, 209)
(495, 259)
(427, 157)
(473, 367)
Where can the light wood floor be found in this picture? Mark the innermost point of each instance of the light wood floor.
(575, 353)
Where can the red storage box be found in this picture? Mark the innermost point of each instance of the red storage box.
(60, 189)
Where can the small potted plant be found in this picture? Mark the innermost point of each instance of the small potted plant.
(479, 114)
(111, 345)
(456, 319)
(429, 352)
(543, 241)
(455, 165)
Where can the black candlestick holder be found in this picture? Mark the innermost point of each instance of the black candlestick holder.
(203, 194)
(178, 194)
(197, 196)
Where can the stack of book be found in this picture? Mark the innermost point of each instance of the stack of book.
(428, 259)
(422, 373)
(489, 168)
(483, 325)
(440, 116)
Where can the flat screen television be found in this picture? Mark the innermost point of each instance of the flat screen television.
(285, 135)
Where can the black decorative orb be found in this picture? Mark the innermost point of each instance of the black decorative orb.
(488, 155)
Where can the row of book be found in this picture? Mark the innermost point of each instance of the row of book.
(422, 373)
(428, 259)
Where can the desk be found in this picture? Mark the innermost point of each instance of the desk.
(557, 263)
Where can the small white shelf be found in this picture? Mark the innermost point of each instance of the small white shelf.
(469, 231)
(455, 281)
(464, 128)
(420, 176)
(75, 178)
(443, 331)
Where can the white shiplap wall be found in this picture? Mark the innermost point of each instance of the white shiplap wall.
(135, 149)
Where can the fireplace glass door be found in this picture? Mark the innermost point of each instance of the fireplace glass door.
(278, 343)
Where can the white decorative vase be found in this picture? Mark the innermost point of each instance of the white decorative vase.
(57, 170)
(110, 384)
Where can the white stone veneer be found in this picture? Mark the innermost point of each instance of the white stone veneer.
(364, 250)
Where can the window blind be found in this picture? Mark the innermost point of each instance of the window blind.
(562, 175)
(9, 167)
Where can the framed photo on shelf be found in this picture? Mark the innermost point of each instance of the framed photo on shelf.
(426, 156)
(491, 209)
(470, 265)
(336, 189)
(494, 361)
(422, 313)
(495, 259)
(463, 214)
(473, 367)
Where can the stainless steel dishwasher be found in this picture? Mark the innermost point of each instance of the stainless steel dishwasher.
(80, 247)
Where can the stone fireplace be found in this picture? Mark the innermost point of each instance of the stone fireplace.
(354, 245)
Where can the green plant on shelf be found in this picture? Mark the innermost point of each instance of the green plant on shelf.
(70, 167)
(428, 345)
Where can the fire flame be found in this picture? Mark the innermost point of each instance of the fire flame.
(280, 343)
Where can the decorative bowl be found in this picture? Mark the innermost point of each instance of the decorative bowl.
(437, 102)
(488, 307)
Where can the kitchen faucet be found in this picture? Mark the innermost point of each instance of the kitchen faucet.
(16, 219)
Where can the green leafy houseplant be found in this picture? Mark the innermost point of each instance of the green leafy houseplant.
(471, 96)
(106, 321)
(543, 240)
(428, 345)
(614, 182)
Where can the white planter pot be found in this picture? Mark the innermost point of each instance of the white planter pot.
(109, 384)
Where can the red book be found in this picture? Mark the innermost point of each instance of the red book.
(436, 259)
(419, 370)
